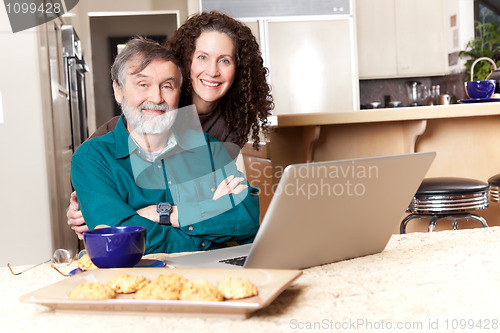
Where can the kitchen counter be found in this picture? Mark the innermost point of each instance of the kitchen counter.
(465, 137)
(421, 282)
(390, 114)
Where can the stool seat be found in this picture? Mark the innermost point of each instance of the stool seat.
(448, 198)
(451, 185)
(494, 183)
(442, 195)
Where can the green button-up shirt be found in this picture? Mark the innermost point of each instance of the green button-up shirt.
(113, 180)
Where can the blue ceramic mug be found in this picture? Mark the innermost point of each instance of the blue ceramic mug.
(480, 89)
(115, 247)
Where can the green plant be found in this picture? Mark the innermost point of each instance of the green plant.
(486, 44)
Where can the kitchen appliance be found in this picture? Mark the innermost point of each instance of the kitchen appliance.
(74, 72)
(309, 47)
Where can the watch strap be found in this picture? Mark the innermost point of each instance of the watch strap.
(165, 219)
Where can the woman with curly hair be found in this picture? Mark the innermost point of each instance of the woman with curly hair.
(224, 77)
(238, 109)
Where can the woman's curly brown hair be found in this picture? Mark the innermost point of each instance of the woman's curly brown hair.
(247, 104)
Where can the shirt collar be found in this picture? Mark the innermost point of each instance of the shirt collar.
(122, 139)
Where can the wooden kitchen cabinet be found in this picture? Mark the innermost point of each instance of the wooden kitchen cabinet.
(407, 38)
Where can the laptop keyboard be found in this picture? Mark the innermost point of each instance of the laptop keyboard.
(238, 261)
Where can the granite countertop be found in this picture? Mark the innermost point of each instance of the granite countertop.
(420, 282)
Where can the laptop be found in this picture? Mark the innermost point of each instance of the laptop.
(326, 212)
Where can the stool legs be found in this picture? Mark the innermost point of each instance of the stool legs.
(480, 219)
(432, 223)
(435, 218)
(402, 228)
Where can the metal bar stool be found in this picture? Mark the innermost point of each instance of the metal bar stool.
(494, 183)
(448, 198)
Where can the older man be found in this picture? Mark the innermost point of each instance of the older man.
(157, 169)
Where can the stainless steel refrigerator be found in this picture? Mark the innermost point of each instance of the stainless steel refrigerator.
(75, 69)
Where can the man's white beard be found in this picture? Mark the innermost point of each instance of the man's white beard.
(144, 123)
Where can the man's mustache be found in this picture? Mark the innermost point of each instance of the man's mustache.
(154, 106)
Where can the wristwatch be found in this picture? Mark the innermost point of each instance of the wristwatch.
(164, 209)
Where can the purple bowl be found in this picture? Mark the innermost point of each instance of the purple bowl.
(480, 89)
(115, 247)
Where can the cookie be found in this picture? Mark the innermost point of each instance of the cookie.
(126, 284)
(156, 290)
(92, 290)
(165, 286)
(200, 290)
(173, 280)
(84, 263)
(237, 288)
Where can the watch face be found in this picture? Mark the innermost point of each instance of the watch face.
(165, 207)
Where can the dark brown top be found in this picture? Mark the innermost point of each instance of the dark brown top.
(107, 127)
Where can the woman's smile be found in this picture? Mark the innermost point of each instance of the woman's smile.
(210, 83)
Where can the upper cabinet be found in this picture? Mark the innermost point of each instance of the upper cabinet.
(312, 65)
(407, 38)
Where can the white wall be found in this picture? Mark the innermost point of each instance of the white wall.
(24, 204)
